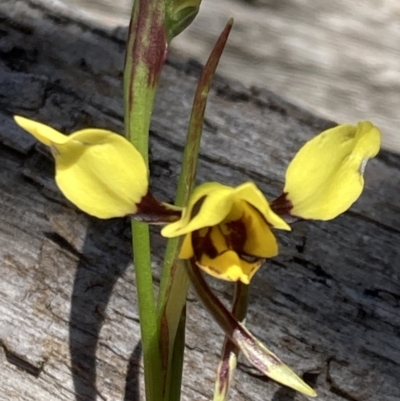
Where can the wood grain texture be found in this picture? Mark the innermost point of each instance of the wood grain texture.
(328, 305)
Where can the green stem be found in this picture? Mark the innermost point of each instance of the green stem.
(147, 310)
(177, 358)
(145, 55)
(171, 316)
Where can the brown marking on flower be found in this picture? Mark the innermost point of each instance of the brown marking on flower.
(234, 233)
(197, 206)
(150, 210)
(282, 207)
(237, 237)
(203, 245)
(260, 215)
(255, 352)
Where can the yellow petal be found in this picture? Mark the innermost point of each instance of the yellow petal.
(326, 176)
(228, 266)
(251, 194)
(186, 251)
(101, 173)
(43, 133)
(209, 204)
(260, 240)
(224, 263)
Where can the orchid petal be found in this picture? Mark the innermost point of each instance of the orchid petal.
(99, 171)
(326, 176)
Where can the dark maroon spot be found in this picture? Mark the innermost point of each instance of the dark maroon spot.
(203, 245)
(237, 237)
(197, 206)
(151, 210)
(235, 233)
(281, 205)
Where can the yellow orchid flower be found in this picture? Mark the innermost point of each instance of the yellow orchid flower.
(99, 171)
(227, 230)
(326, 176)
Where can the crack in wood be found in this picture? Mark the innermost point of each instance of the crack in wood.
(322, 276)
(20, 361)
(63, 243)
(335, 388)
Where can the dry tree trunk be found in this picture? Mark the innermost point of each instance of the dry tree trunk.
(328, 305)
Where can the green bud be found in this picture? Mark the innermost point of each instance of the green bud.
(179, 15)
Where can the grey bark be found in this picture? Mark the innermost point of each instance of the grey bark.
(69, 327)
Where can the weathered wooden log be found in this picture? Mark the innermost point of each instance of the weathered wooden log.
(69, 330)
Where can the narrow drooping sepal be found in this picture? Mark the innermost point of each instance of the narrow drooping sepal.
(230, 351)
(97, 170)
(226, 368)
(255, 352)
(267, 362)
(326, 176)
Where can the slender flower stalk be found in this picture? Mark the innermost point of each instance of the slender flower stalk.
(174, 281)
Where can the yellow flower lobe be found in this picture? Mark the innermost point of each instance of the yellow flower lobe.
(98, 170)
(326, 176)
